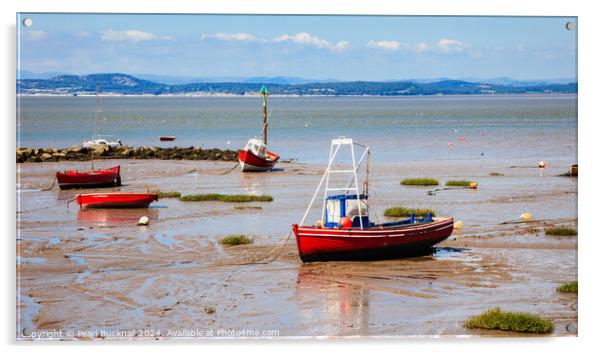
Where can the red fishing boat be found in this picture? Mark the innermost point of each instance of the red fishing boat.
(345, 230)
(256, 157)
(89, 179)
(167, 138)
(116, 200)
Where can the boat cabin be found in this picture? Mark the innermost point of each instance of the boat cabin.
(257, 147)
(346, 205)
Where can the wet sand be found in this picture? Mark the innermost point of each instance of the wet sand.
(96, 275)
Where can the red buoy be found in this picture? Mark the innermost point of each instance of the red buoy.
(345, 223)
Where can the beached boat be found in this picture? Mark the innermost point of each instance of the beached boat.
(345, 230)
(116, 200)
(256, 157)
(89, 179)
(167, 138)
(94, 177)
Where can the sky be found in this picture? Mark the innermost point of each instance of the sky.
(313, 47)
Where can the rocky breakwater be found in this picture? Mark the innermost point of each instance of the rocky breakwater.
(76, 153)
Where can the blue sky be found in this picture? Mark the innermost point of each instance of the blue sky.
(316, 47)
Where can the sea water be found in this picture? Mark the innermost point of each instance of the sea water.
(397, 128)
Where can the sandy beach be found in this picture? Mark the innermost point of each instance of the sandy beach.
(96, 275)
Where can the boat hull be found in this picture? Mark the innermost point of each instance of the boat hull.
(323, 244)
(116, 200)
(167, 138)
(89, 179)
(249, 162)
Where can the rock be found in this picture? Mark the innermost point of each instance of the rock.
(574, 170)
(25, 152)
(101, 150)
(126, 153)
(46, 156)
(59, 154)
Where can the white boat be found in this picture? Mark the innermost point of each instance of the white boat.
(100, 140)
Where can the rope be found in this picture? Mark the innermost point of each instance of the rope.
(230, 170)
(48, 207)
(276, 251)
(432, 192)
(51, 186)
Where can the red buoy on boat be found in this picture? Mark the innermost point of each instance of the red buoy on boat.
(345, 223)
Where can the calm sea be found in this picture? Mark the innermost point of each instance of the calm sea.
(397, 128)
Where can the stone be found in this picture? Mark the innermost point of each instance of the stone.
(46, 156)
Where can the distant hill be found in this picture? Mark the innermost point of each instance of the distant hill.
(123, 84)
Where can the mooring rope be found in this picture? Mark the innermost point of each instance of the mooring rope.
(274, 253)
(230, 170)
(47, 207)
(51, 186)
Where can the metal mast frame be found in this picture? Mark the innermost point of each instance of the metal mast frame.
(352, 185)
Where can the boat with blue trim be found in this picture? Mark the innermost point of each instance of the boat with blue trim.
(345, 231)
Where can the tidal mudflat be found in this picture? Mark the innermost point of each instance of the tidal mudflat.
(96, 275)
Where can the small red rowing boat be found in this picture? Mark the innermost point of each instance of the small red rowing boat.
(116, 200)
(167, 138)
(345, 230)
(88, 179)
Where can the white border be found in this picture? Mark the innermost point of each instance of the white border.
(589, 118)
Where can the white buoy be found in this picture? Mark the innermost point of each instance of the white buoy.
(526, 217)
(541, 164)
(143, 221)
(458, 225)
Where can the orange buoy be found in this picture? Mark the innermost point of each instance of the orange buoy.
(462, 139)
(345, 223)
(450, 144)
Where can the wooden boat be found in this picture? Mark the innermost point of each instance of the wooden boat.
(167, 138)
(89, 179)
(116, 200)
(256, 157)
(345, 230)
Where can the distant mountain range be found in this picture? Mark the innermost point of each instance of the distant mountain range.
(123, 84)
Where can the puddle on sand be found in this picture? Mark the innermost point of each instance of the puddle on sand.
(165, 239)
(75, 259)
(28, 309)
(455, 253)
(30, 260)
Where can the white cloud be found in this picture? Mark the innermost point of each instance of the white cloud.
(131, 35)
(314, 41)
(386, 45)
(421, 47)
(35, 35)
(451, 45)
(243, 37)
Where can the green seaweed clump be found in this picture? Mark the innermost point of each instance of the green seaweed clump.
(419, 182)
(404, 212)
(521, 322)
(235, 198)
(234, 240)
